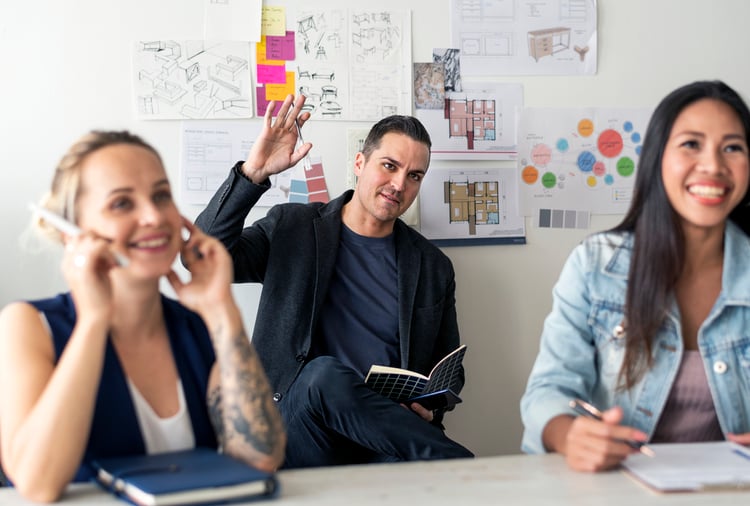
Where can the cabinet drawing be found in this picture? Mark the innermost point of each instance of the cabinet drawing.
(548, 41)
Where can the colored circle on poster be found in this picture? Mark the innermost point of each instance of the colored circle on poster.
(562, 145)
(541, 154)
(585, 127)
(529, 174)
(636, 137)
(599, 169)
(609, 179)
(638, 150)
(591, 181)
(549, 180)
(610, 143)
(627, 126)
(586, 161)
(625, 166)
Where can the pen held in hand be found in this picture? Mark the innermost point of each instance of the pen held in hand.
(70, 229)
(300, 141)
(588, 410)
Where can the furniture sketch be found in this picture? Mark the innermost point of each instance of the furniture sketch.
(581, 51)
(232, 68)
(330, 108)
(305, 24)
(310, 94)
(329, 91)
(324, 74)
(548, 41)
(187, 80)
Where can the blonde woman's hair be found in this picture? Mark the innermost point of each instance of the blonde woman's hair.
(66, 183)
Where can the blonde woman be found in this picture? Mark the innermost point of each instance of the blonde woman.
(113, 367)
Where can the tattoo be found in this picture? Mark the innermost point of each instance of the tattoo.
(242, 408)
(215, 413)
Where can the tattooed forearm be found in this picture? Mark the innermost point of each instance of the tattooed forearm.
(246, 415)
(215, 413)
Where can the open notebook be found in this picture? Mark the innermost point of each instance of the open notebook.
(692, 467)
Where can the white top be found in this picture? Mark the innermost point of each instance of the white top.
(163, 434)
(159, 434)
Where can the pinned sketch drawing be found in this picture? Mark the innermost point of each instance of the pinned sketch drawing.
(548, 41)
(507, 37)
(352, 65)
(478, 123)
(192, 79)
(472, 204)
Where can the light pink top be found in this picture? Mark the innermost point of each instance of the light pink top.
(690, 414)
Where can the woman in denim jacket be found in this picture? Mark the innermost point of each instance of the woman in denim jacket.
(651, 320)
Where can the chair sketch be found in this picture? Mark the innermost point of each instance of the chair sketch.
(329, 90)
(330, 75)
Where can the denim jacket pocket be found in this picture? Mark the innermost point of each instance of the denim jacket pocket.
(606, 322)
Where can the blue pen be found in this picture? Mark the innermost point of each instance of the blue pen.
(584, 408)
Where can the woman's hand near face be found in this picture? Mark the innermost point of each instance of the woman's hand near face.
(245, 417)
(209, 289)
(86, 266)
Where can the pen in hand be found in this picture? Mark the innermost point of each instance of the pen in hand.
(300, 141)
(70, 229)
(584, 408)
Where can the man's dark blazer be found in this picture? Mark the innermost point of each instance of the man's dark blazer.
(292, 251)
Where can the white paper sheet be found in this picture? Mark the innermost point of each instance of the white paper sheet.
(692, 466)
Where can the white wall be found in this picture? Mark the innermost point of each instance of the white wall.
(65, 69)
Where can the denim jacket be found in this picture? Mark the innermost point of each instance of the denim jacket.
(582, 347)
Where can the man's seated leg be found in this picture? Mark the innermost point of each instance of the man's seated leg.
(332, 417)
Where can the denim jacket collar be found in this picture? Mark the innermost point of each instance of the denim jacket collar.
(618, 266)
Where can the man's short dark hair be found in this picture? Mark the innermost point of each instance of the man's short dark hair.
(406, 125)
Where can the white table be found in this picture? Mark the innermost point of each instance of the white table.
(509, 480)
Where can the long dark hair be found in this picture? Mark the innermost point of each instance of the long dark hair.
(659, 243)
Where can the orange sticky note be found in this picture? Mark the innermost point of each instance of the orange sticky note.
(281, 91)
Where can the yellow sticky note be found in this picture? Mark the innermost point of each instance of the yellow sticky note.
(281, 91)
(273, 21)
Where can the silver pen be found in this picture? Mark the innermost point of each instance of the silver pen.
(584, 408)
(300, 141)
(70, 229)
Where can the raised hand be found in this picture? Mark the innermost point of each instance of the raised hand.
(275, 149)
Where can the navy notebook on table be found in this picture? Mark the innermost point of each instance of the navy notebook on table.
(197, 476)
